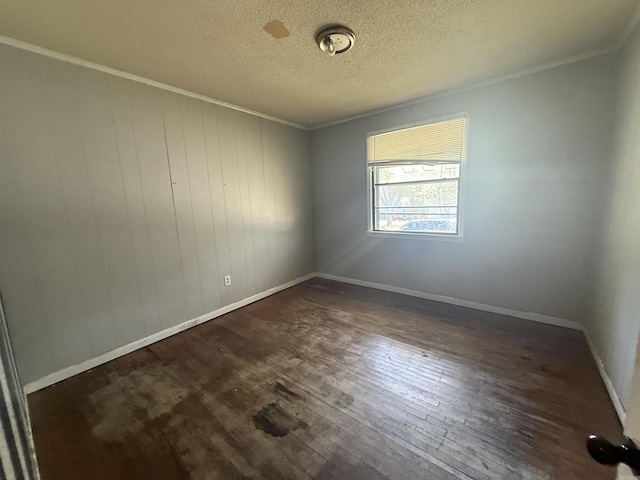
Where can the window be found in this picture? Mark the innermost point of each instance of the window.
(414, 178)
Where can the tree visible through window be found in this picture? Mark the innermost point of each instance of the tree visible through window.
(415, 178)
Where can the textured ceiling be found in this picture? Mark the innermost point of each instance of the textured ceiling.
(404, 49)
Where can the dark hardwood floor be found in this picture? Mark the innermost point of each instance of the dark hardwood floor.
(333, 381)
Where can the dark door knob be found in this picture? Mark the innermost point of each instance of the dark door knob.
(605, 452)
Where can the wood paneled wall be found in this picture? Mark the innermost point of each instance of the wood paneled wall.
(122, 207)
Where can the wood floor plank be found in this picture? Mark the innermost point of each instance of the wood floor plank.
(333, 381)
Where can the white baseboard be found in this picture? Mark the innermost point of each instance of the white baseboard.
(536, 317)
(613, 394)
(68, 372)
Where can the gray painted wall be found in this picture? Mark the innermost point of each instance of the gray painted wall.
(615, 321)
(122, 207)
(538, 152)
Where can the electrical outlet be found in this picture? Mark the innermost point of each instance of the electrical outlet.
(227, 280)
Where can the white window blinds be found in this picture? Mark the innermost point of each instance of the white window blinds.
(437, 142)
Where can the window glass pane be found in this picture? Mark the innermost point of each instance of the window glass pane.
(443, 193)
(423, 207)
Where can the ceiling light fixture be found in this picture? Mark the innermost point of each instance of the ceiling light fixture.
(335, 39)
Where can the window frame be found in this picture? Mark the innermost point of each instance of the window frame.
(457, 237)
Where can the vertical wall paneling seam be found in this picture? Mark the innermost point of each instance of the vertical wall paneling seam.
(175, 217)
(281, 193)
(207, 154)
(229, 163)
(246, 137)
(76, 92)
(193, 221)
(293, 217)
(173, 202)
(128, 314)
(224, 199)
(27, 239)
(208, 116)
(236, 140)
(293, 167)
(275, 162)
(144, 203)
(238, 137)
(64, 200)
(266, 204)
(197, 228)
(107, 184)
(272, 197)
(126, 203)
(156, 180)
(311, 219)
(256, 187)
(127, 200)
(272, 231)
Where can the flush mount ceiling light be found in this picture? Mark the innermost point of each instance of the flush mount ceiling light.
(335, 39)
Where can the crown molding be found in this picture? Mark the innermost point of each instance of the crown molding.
(12, 42)
(472, 86)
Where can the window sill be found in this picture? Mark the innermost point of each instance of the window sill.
(416, 236)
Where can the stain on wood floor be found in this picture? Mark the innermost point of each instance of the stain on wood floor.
(333, 381)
